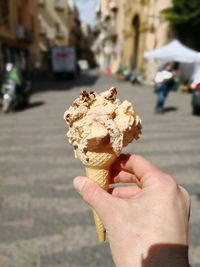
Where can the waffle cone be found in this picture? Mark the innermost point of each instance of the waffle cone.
(97, 166)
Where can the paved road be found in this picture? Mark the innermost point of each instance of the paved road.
(43, 222)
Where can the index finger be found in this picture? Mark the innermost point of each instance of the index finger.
(135, 164)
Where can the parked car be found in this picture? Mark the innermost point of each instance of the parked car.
(196, 100)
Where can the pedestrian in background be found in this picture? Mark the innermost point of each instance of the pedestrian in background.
(164, 82)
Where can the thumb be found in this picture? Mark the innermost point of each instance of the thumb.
(95, 196)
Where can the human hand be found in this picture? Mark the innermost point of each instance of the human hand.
(146, 223)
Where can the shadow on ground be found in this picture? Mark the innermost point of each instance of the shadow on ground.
(170, 109)
(53, 84)
(31, 105)
(35, 104)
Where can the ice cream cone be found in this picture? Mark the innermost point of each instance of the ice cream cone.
(100, 125)
(97, 165)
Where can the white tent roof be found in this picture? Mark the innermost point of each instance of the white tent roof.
(174, 51)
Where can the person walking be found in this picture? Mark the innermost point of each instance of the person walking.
(164, 81)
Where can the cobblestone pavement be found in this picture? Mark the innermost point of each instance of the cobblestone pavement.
(43, 221)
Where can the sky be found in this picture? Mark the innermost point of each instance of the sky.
(87, 10)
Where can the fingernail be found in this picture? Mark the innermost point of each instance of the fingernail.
(79, 183)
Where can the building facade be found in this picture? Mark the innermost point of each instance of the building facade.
(53, 23)
(107, 44)
(19, 34)
(86, 44)
(53, 17)
(59, 26)
(127, 28)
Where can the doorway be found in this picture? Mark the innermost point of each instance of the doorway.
(136, 36)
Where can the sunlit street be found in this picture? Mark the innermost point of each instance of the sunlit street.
(75, 57)
(43, 220)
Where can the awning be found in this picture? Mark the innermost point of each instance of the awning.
(174, 51)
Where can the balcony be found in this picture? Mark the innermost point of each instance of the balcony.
(107, 16)
(24, 35)
(112, 30)
(109, 28)
(60, 34)
(113, 5)
(59, 5)
(42, 29)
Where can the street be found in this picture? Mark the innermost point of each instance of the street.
(43, 221)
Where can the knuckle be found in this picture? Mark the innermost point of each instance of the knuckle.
(169, 185)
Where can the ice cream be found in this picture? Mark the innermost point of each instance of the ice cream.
(100, 121)
(100, 125)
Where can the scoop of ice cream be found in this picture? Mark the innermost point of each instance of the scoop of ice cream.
(100, 122)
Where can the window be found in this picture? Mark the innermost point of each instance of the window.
(4, 12)
(41, 2)
(58, 30)
(59, 4)
(57, 27)
(42, 28)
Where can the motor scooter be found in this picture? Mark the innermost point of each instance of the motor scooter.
(9, 99)
(15, 94)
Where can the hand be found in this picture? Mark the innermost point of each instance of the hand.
(146, 223)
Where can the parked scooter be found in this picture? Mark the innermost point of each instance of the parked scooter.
(15, 92)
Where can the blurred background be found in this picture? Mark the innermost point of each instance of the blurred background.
(49, 52)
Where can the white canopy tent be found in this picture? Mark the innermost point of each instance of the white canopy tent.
(176, 51)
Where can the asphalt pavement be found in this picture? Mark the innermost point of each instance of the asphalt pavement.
(43, 221)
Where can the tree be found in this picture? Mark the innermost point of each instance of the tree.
(184, 15)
